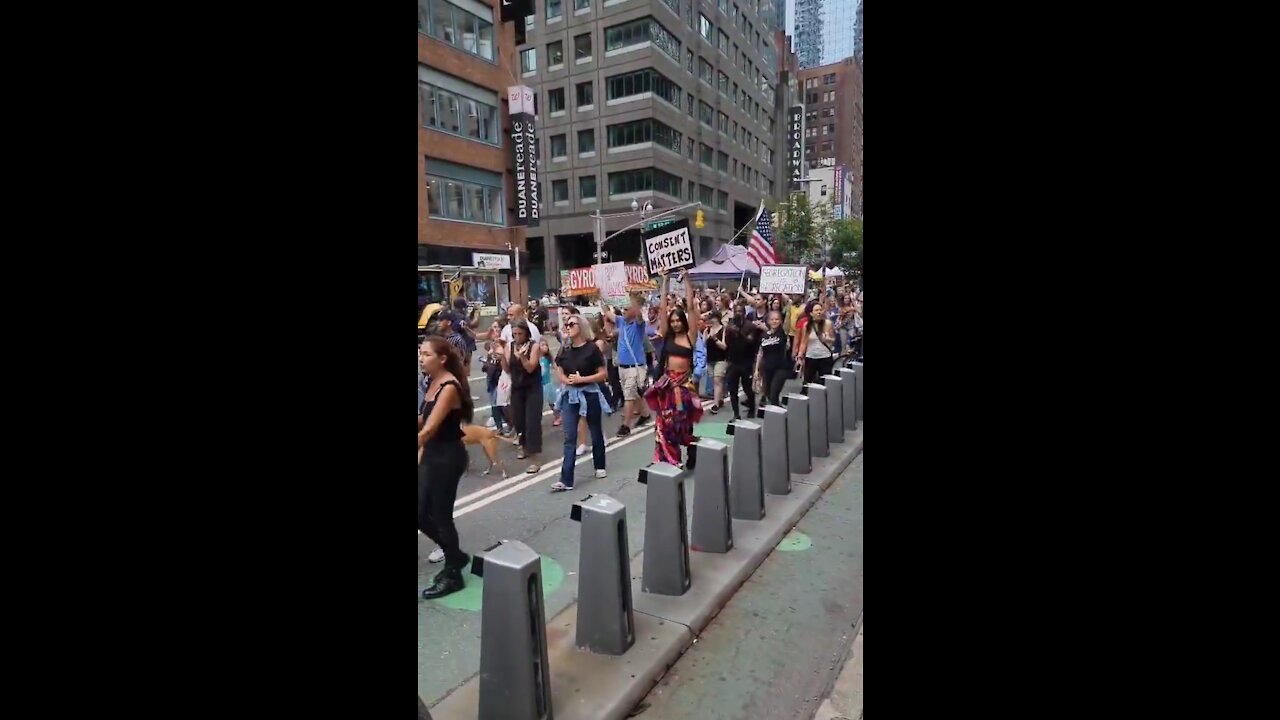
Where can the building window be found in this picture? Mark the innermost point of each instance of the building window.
(529, 60)
(723, 5)
(560, 191)
(586, 141)
(722, 200)
(706, 115)
(829, 97)
(830, 129)
(704, 28)
(722, 83)
(555, 8)
(555, 100)
(582, 47)
(643, 131)
(724, 123)
(457, 200)
(722, 162)
(458, 27)
(674, 5)
(734, 17)
(829, 79)
(704, 195)
(705, 72)
(586, 94)
(823, 192)
(690, 149)
(641, 31)
(458, 115)
(723, 43)
(706, 155)
(555, 53)
(559, 146)
(689, 98)
(643, 81)
(644, 180)
(581, 4)
(587, 187)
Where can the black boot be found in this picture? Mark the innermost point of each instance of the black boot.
(447, 582)
(460, 567)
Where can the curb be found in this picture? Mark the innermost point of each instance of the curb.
(844, 701)
(587, 686)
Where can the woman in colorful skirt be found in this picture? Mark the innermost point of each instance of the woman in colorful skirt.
(674, 396)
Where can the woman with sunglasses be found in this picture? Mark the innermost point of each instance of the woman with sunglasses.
(522, 362)
(580, 366)
(674, 397)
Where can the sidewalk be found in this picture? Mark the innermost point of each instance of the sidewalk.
(845, 700)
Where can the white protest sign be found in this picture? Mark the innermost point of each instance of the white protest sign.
(788, 279)
(611, 279)
(669, 251)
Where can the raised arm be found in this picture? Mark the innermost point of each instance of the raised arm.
(662, 309)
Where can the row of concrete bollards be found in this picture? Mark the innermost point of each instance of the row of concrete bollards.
(515, 679)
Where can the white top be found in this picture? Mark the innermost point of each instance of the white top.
(816, 349)
(533, 332)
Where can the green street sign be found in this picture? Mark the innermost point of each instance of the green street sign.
(655, 224)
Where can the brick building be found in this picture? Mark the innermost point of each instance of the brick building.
(466, 62)
(833, 121)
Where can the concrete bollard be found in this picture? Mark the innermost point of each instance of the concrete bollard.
(606, 622)
(712, 527)
(515, 681)
(857, 369)
(835, 408)
(799, 450)
(818, 444)
(777, 460)
(849, 380)
(746, 486)
(666, 531)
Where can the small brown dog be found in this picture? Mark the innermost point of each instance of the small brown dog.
(486, 438)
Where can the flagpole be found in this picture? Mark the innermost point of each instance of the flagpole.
(759, 212)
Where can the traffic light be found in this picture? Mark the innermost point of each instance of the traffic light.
(698, 222)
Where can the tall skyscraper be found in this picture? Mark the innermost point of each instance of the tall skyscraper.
(857, 36)
(808, 32)
(837, 28)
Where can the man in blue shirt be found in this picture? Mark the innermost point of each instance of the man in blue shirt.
(633, 367)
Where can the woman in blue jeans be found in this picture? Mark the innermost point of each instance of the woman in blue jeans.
(580, 367)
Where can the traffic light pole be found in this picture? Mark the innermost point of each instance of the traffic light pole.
(644, 218)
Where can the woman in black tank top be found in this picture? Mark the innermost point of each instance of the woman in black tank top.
(442, 458)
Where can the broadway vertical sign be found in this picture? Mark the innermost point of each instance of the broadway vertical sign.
(795, 145)
(524, 147)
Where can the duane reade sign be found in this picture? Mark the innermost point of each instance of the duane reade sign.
(524, 148)
(788, 279)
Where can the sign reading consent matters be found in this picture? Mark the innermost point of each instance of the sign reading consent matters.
(787, 279)
(668, 247)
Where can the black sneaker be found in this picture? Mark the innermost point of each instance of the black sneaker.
(624, 431)
(642, 420)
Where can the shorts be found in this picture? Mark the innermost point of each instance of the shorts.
(503, 394)
(719, 368)
(633, 380)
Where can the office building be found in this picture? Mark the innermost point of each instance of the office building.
(659, 101)
(807, 23)
(857, 36)
(839, 21)
(466, 227)
(833, 122)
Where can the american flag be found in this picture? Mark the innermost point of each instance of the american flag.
(761, 249)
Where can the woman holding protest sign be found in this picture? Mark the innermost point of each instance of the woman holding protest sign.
(674, 397)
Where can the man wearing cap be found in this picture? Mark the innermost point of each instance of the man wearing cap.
(448, 323)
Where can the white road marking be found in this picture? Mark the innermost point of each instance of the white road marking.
(540, 477)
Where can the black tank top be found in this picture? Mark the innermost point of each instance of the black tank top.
(672, 348)
(451, 430)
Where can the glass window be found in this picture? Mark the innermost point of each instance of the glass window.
(689, 64)
(424, 16)
(723, 43)
(586, 141)
(456, 200)
(493, 205)
(722, 200)
(555, 99)
(485, 45)
(454, 203)
(704, 195)
(559, 146)
(674, 5)
(475, 202)
(735, 12)
(434, 190)
(722, 162)
(528, 60)
(705, 72)
(734, 96)
(723, 5)
(722, 82)
(470, 118)
(428, 95)
(555, 53)
(690, 148)
(641, 31)
(555, 8)
(641, 180)
(704, 27)
(689, 99)
(442, 22)
(586, 94)
(724, 123)
(587, 186)
(706, 155)
(706, 115)
(582, 46)
(447, 112)
(560, 191)
(581, 4)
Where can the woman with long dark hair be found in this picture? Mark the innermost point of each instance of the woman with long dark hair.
(674, 397)
(522, 361)
(814, 338)
(442, 458)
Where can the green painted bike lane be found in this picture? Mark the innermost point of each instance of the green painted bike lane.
(774, 650)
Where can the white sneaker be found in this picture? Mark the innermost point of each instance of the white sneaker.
(436, 556)
(582, 450)
(489, 423)
(602, 473)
